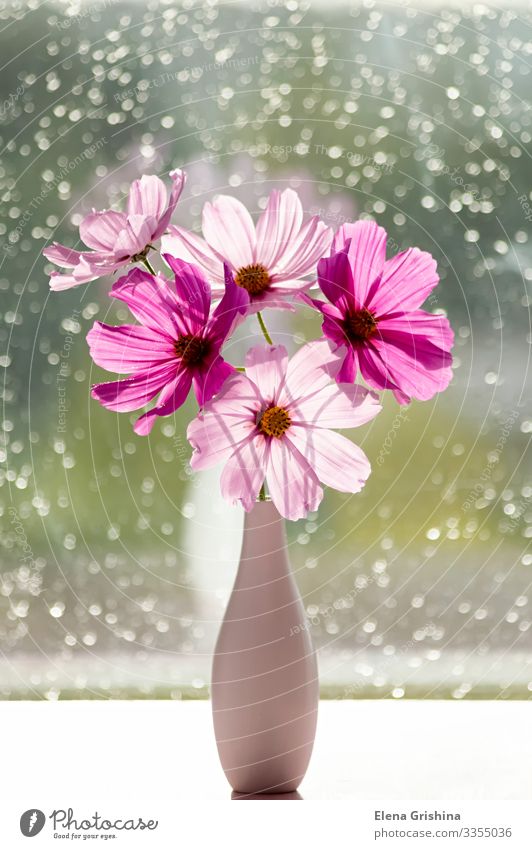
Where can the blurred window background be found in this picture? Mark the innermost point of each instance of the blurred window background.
(116, 561)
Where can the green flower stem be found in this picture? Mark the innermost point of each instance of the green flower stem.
(148, 265)
(264, 330)
(262, 493)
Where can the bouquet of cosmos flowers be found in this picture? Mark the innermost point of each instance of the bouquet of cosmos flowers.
(274, 420)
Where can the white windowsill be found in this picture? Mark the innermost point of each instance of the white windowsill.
(364, 750)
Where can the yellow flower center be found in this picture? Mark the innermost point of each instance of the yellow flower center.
(254, 278)
(360, 326)
(274, 422)
(191, 349)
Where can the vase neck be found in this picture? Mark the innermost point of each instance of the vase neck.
(263, 555)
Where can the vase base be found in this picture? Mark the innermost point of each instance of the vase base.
(282, 796)
(263, 784)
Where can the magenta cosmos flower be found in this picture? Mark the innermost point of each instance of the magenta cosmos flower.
(268, 260)
(275, 423)
(176, 345)
(373, 314)
(117, 238)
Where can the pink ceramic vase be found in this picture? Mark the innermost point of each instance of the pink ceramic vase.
(264, 681)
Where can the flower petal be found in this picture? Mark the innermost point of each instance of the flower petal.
(287, 286)
(348, 370)
(178, 178)
(335, 280)
(185, 245)
(147, 197)
(366, 252)
(244, 471)
(373, 369)
(336, 406)
(144, 423)
(174, 394)
(411, 368)
(292, 483)
(278, 226)
(333, 318)
(302, 257)
(135, 237)
(62, 256)
(209, 379)
(334, 328)
(336, 460)
(231, 309)
(193, 292)
(407, 280)
(229, 230)
(269, 299)
(214, 435)
(309, 370)
(128, 348)
(83, 272)
(435, 329)
(418, 367)
(132, 393)
(239, 398)
(100, 230)
(151, 301)
(266, 367)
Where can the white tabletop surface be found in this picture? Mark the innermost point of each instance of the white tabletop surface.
(364, 750)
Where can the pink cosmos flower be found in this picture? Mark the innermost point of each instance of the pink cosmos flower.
(268, 260)
(117, 238)
(176, 345)
(373, 314)
(275, 422)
